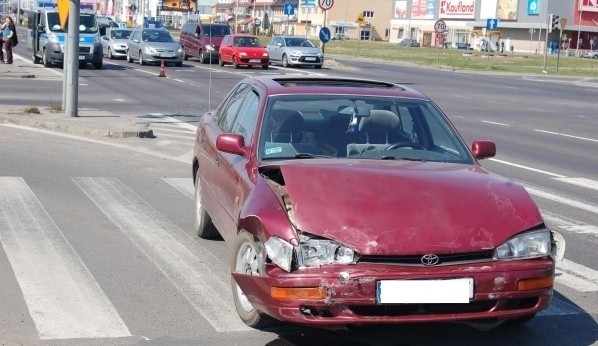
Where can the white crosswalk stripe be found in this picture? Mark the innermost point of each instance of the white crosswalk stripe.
(65, 301)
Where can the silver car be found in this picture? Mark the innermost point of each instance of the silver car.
(150, 45)
(294, 51)
(114, 43)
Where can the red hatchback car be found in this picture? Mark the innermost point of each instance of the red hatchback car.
(350, 201)
(243, 50)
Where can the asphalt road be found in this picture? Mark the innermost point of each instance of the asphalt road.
(545, 129)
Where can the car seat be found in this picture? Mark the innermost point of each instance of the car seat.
(380, 129)
(286, 126)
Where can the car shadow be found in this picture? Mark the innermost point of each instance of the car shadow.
(558, 328)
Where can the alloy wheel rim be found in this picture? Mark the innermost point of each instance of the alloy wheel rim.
(247, 263)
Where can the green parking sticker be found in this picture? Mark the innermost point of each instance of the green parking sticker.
(273, 150)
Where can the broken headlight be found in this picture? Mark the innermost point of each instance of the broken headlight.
(280, 252)
(315, 252)
(526, 245)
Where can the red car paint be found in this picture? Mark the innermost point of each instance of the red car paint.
(243, 50)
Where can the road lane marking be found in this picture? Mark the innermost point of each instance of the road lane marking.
(569, 225)
(179, 80)
(183, 185)
(566, 135)
(527, 168)
(576, 276)
(119, 100)
(540, 192)
(200, 277)
(494, 123)
(63, 298)
(583, 182)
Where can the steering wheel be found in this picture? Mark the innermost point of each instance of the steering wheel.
(405, 144)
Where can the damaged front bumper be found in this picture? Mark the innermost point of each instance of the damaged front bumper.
(501, 290)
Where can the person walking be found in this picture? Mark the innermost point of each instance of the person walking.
(9, 34)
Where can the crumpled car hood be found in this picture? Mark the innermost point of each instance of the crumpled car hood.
(402, 208)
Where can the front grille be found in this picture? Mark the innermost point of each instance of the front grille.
(423, 309)
(84, 50)
(416, 260)
(316, 61)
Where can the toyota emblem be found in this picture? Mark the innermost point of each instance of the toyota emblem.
(430, 260)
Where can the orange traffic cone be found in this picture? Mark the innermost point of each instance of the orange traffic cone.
(162, 72)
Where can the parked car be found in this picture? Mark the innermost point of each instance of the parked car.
(290, 51)
(350, 201)
(592, 54)
(153, 46)
(409, 42)
(202, 40)
(243, 50)
(340, 37)
(114, 43)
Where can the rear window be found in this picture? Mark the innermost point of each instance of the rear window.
(216, 30)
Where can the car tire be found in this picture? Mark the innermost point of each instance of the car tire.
(202, 57)
(98, 65)
(203, 223)
(285, 61)
(178, 64)
(220, 61)
(595, 56)
(248, 258)
(317, 67)
(45, 60)
(265, 67)
(141, 61)
(35, 59)
(235, 64)
(185, 56)
(129, 59)
(110, 56)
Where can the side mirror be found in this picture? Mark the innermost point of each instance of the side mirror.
(483, 149)
(40, 28)
(231, 143)
(196, 35)
(279, 44)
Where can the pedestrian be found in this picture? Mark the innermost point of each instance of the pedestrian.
(9, 38)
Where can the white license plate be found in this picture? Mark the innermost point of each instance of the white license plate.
(425, 291)
(167, 55)
(255, 60)
(81, 57)
(310, 59)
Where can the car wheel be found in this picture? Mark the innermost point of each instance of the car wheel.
(98, 65)
(265, 67)
(220, 61)
(595, 56)
(285, 61)
(235, 64)
(45, 60)
(202, 57)
(317, 67)
(129, 59)
(203, 223)
(178, 64)
(248, 259)
(185, 56)
(141, 61)
(110, 54)
(35, 59)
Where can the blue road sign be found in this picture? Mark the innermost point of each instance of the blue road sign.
(325, 34)
(533, 7)
(491, 23)
(289, 9)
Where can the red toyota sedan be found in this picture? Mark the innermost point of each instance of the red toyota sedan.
(348, 201)
(243, 50)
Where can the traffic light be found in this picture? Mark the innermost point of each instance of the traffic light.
(553, 22)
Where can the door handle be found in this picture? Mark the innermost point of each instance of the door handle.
(217, 161)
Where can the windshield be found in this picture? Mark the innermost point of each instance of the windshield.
(299, 42)
(247, 42)
(87, 23)
(216, 30)
(365, 127)
(156, 36)
(120, 34)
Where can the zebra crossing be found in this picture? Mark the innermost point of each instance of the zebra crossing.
(64, 299)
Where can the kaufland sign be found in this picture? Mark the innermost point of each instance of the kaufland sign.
(457, 9)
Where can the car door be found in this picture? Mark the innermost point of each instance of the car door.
(215, 177)
(133, 44)
(275, 49)
(225, 49)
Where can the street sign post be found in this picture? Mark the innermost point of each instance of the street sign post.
(289, 9)
(491, 23)
(324, 37)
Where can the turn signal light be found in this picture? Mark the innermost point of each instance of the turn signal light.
(283, 293)
(535, 284)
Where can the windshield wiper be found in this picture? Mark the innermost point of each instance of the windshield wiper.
(311, 156)
(387, 157)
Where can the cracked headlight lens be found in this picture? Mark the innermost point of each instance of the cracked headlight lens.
(315, 252)
(526, 245)
(280, 252)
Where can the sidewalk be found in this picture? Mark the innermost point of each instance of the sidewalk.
(88, 122)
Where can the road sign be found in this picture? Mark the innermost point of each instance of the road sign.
(289, 9)
(325, 5)
(325, 34)
(563, 23)
(491, 23)
(440, 26)
(63, 12)
(133, 8)
(533, 8)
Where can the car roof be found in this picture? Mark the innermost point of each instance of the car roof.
(284, 85)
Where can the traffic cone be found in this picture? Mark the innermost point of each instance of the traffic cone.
(162, 72)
